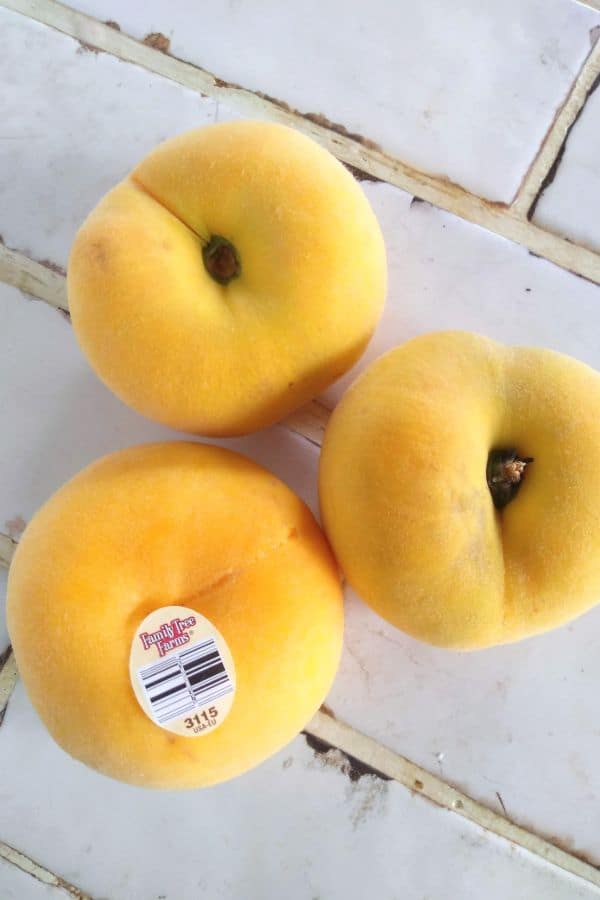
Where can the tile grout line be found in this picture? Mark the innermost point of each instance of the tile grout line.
(353, 150)
(8, 681)
(541, 170)
(391, 764)
(592, 4)
(337, 734)
(7, 550)
(309, 422)
(33, 277)
(35, 870)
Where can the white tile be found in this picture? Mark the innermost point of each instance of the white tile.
(74, 123)
(571, 203)
(518, 722)
(465, 90)
(296, 827)
(16, 885)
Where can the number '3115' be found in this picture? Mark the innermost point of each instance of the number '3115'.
(206, 717)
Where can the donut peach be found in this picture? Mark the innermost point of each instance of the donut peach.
(231, 277)
(174, 525)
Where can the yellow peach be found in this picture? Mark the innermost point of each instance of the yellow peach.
(135, 535)
(460, 489)
(231, 277)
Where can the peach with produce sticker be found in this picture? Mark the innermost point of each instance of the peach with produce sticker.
(182, 671)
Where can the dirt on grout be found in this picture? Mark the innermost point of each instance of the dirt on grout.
(567, 845)
(324, 122)
(4, 657)
(54, 267)
(360, 174)
(550, 174)
(46, 263)
(315, 118)
(354, 769)
(158, 41)
(594, 85)
(112, 24)
(84, 47)
(553, 170)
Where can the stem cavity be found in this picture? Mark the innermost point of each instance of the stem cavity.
(505, 472)
(221, 259)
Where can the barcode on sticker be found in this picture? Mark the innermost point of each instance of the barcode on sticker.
(185, 681)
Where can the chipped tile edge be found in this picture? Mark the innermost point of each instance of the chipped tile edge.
(541, 171)
(360, 153)
(386, 763)
(35, 870)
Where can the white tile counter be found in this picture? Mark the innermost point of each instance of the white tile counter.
(298, 826)
(466, 91)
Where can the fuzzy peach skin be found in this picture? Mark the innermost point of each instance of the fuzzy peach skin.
(226, 359)
(174, 524)
(406, 503)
